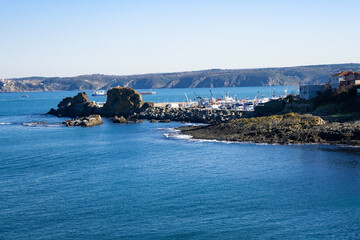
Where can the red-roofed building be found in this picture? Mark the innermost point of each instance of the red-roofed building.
(345, 78)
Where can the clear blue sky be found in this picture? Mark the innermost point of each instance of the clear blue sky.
(73, 37)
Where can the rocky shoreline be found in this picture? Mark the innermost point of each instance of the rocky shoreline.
(288, 128)
(271, 123)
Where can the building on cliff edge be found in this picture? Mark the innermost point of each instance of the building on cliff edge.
(342, 79)
(345, 78)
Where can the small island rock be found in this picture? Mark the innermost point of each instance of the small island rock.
(88, 121)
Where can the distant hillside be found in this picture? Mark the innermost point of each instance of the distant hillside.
(196, 79)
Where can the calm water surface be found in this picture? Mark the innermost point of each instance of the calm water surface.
(131, 182)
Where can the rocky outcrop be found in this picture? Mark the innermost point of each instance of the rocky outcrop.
(78, 106)
(199, 115)
(123, 101)
(89, 121)
(120, 102)
(281, 129)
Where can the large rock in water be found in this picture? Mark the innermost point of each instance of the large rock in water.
(123, 101)
(78, 106)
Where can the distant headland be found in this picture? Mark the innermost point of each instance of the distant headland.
(194, 79)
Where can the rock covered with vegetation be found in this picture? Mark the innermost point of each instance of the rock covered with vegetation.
(88, 121)
(282, 129)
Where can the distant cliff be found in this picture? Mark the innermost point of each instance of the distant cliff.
(195, 79)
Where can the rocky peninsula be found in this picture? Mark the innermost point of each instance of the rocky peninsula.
(288, 128)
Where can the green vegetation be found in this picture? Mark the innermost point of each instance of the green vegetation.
(339, 105)
(340, 101)
(293, 121)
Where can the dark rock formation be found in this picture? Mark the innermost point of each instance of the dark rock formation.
(89, 121)
(78, 106)
(146, 105)
(52, 112)
(122, 101)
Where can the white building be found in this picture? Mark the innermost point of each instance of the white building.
(310, 91)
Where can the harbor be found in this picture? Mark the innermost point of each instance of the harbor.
(226, 102)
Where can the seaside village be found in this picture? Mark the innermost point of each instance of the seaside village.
(345, 79)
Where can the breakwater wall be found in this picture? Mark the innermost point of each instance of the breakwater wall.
(198, 115)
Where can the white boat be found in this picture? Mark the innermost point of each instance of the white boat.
(98, 93)
(212, 106)
(238, 107)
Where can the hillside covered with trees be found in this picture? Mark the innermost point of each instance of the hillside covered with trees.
(194, 79)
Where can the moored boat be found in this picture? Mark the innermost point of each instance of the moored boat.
(98, 93)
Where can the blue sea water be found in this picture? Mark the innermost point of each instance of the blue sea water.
(142, 181)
